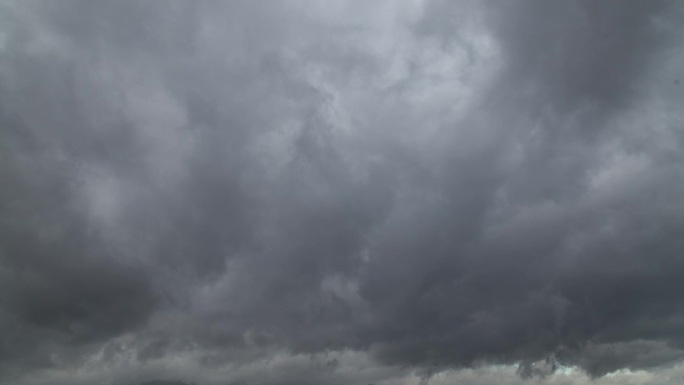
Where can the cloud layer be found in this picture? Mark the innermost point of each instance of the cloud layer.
(341, 193)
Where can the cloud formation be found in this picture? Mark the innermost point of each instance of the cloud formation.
(340, 193)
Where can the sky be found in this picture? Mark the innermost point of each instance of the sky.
(341, 192)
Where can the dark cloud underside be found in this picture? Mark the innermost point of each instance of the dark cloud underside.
(350, 192)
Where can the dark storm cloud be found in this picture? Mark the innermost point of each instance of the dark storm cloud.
(555, 266)
(581, 51)
(286, 193)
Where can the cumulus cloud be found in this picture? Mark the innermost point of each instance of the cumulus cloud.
(341, 193)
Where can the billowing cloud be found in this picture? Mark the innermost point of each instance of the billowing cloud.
(341, 193)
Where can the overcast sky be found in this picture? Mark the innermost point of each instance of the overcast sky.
(342, 192)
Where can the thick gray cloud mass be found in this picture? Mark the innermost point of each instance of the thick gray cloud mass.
(343, 192)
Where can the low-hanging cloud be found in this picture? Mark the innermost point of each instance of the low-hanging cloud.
(349, 192)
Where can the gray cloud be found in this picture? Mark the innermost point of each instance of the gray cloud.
(295, 193)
